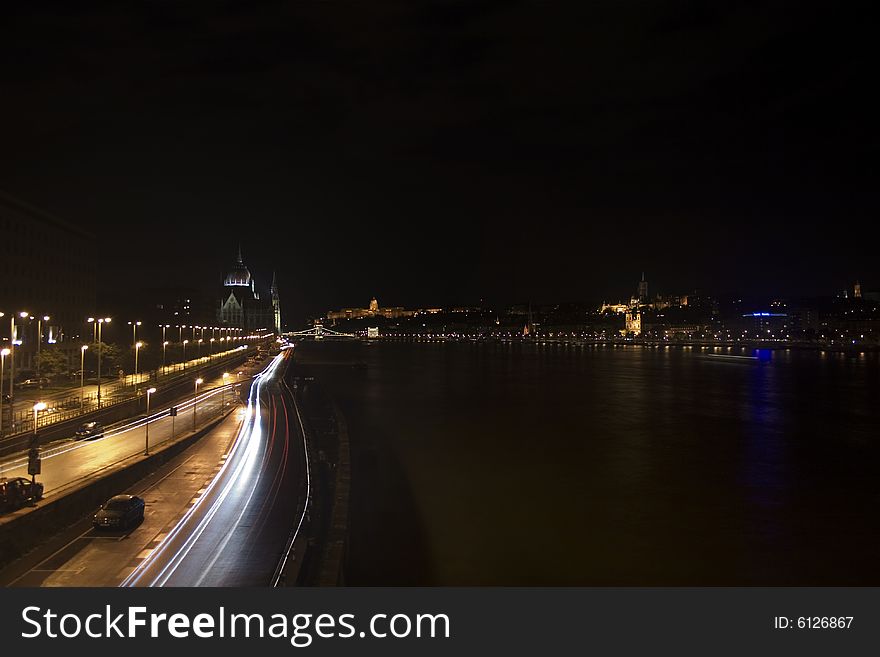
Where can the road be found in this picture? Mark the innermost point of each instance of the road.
(70, 397)
(238, 528)
(67, 463)
(220, 514)
(82, 556)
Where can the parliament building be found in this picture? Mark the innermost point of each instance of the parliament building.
(241, 304)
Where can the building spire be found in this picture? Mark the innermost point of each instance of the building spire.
(239, 261)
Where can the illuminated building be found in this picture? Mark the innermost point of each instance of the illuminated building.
(618, 308)
(241, 305)
(373, 310)
(643, 290)
(634, 320)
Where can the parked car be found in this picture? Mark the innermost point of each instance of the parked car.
(33, 383)
(18, 491)
(87, 374)
(90, 431)
(119, 512)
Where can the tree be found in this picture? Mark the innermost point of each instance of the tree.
(110, 354)
(52, 362)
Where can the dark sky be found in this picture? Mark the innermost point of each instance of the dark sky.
(440, 152)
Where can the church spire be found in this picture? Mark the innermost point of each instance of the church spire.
(238, 260)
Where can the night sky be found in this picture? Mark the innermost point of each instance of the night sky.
(441, 152)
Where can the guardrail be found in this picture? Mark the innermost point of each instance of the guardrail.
(210, 404)
(61, 409)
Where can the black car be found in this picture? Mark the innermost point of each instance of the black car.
(18, 491)
(120, 511)
(89, 431)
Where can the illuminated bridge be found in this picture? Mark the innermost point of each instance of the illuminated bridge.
(320, 332)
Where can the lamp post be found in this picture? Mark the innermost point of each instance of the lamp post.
(150, 391)
(196, 402)
(39, 406)
(134, 331)
(137, 348)
(199, 348)
(212, 346)
(3, 354)
(99, 324)
(164, 343)
(12, 343)
(82, 376)
(44, 318)
(184, 354)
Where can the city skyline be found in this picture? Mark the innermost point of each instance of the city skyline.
(508, 173)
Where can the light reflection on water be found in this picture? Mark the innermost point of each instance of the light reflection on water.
(525, 464)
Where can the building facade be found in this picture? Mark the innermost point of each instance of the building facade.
(373, 310)
(241, 304)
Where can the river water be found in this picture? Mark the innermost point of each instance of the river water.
(513, 464)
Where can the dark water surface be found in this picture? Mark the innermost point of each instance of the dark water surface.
(494, 464)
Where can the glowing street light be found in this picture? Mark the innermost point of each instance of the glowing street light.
(150, 391)
(134, 331)
(164, 346)
(39, 406)
(99, 323)
(82, 375)
(137, 348)
(184, 353)
(44, 318)
(3, 354)
(12, 344)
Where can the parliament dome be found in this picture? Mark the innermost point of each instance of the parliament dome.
(238, 275)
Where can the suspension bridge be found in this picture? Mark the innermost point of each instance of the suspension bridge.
(320, 332)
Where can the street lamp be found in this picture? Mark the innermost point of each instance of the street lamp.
(82, 376)
(12, 343)
(134, 331)
(164, 342)
(184, 353)
(199, 350)
(99, 324)
(3, 354)
(150, 391)
(196, 402)
(39, 406)
(137, 348)
(212, 346)
(44, 318)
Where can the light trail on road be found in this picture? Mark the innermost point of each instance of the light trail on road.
(211, 531)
